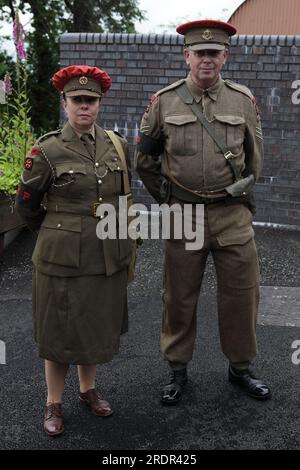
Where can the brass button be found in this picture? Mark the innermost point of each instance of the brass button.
(118, 168)
(99, 181)
(97, 164)
(71, 172)
(58, 225)
(244, 194)
(100, 199)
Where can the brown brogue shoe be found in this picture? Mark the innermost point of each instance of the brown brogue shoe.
(53, 420)
(96, 403)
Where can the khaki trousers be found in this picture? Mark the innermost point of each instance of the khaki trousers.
(237, 272)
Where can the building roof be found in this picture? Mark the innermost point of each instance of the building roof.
(267, 17)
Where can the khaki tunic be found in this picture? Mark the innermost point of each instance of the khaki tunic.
(191, 157)
(80, 281)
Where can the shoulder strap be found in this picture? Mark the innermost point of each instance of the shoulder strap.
(187, 98)
(238, 87)
(118, 146)
(173, 86)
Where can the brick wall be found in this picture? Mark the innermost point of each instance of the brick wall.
(142, 64)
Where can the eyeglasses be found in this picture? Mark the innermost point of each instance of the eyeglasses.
(207, 52)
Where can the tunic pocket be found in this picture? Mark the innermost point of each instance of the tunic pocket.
(70, 178)
(230, 130)
(59, 240)
(114, 176)
(182, 134)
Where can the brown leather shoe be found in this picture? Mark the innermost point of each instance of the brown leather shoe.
(53, 420)
(96, 403)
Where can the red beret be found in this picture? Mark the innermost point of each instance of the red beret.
(81, 79)
(206, 34)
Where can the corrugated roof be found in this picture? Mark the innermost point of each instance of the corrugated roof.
(275, 17)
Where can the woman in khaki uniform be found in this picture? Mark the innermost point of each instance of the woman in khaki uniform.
(80, 281)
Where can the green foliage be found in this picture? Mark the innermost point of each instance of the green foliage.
(115, 16)
(16, 139)
(16, 136)
(6, 65)
(50, 19)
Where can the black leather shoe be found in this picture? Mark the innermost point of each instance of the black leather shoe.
(253, 387)
(172, 392)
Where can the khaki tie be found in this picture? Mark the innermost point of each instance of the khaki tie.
(88, 142)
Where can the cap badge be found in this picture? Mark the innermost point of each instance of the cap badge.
(207, 35)
(83, 80)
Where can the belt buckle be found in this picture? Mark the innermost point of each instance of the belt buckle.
(228, 155)
(95, 207)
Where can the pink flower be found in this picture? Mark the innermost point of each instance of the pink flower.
(19, 37)
(21, 51)
(7, 85)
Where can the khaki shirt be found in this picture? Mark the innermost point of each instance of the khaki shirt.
(188, 151)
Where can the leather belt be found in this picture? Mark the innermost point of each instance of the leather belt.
(88, 210)
(200, 197)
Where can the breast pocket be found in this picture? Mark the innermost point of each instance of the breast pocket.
(70, 178)
(182, 134)
(114, 178)
(230, 129)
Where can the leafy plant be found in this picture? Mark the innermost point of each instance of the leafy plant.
(16, 135)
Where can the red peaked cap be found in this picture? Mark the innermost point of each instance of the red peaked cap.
(229, 28)
(93, 74)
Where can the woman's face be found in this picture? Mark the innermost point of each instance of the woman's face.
(82, 111)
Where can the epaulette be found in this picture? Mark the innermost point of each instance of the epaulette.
(49, 134)
(170, 87)
(241, 88)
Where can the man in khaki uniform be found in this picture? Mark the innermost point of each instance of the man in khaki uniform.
(80, 281)
(209, 136)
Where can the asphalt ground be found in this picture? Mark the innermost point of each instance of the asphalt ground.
(213, 413)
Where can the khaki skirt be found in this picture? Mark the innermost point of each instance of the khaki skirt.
(79, 320)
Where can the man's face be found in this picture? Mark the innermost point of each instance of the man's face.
(205, 65)
(82, 111)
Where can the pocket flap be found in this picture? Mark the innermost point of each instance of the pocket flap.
(180, 119)
(70, 168)
(62, 221)
(229, 119)
(114, 165)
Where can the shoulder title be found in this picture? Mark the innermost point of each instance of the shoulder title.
(241, 88)
(120, 135)
(49, 134)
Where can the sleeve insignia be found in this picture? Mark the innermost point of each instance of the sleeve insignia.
(152, 99)
(28, 163)
(253, 99)
(34, 151)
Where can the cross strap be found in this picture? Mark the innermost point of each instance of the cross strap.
(118, 146)
(184, 93)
